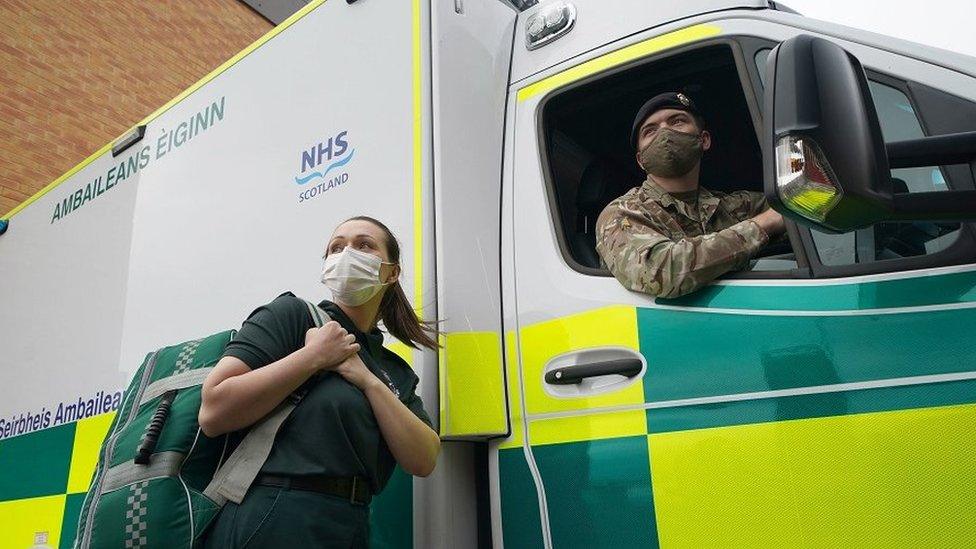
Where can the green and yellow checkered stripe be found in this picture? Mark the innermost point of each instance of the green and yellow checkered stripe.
(43, 479)
(903, 478)
(865, 467)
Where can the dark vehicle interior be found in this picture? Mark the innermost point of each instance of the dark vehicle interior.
(589, 161)
(587, 133)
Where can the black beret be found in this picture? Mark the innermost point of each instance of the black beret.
(668, 100)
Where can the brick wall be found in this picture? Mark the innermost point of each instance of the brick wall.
(75, 74)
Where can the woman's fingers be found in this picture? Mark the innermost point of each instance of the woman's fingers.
(333, 325)
(332, 344)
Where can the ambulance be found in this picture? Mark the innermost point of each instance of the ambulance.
(823, 397)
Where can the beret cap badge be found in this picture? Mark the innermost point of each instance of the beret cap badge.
(666, 100)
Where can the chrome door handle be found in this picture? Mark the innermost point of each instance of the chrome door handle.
(572, 375)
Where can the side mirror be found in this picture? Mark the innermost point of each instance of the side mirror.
(825, 159)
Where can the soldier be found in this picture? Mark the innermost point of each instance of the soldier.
(669, 237)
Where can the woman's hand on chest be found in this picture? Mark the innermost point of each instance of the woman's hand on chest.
(329, 345)
(353, 370)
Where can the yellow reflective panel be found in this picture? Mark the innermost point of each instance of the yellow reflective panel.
(89, 434)
(889, 479)
(442, 384)
(21, 519)
(619, 57)
(418, 158)
(588, 427)
(401, 350)
(614, 326)
(472, 392)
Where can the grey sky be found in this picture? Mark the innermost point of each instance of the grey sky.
(945, 24)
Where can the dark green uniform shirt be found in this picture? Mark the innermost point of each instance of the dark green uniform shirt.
(333, 430)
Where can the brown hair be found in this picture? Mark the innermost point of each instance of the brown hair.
(395, 311)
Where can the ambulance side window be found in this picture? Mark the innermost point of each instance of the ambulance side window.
(899, 117)
(589, 161)
(893, 240)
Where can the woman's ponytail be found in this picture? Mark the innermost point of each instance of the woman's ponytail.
(402, 322)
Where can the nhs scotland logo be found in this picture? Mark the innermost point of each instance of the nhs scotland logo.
(323, 166)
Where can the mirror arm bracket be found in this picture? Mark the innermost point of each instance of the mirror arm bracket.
(935, 206)
(938, 150)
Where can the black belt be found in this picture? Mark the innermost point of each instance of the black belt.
(353, 489)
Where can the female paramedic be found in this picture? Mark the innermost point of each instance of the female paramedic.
(359, 417)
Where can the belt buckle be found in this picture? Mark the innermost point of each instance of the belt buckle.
(352, 493)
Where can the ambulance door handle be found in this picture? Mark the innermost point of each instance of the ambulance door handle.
(572, 375)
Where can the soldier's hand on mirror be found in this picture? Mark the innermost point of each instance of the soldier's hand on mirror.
(771, 222)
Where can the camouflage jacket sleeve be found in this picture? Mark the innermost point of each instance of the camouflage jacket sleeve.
(644, 260)
(745, 204)
(749, 204)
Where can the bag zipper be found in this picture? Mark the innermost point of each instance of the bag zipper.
(109, 451)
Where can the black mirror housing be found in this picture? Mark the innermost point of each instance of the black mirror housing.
(824, 154)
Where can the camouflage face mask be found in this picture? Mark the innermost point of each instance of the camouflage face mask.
(671, 153)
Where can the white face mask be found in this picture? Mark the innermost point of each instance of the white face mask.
(353, 276)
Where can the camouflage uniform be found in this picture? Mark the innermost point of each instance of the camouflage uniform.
(657, 244)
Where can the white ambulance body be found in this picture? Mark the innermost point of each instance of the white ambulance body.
(823, 398)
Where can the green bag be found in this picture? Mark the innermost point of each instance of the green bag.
(160, 481)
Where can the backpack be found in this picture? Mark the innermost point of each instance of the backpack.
(160, 481)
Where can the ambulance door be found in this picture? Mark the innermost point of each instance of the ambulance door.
(832, 380)
(588, 357)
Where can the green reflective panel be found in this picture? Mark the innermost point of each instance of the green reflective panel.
(692, 354)
(391, 514)
(36, 464)
(907, 292)
(599, 493)
(520, 504)
(69, 524)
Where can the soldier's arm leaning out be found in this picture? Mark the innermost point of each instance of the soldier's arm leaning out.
(645, 260)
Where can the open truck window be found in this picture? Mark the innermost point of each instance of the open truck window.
(588, 159)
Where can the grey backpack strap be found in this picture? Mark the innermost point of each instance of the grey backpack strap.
(318, 315)
(233, 479)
